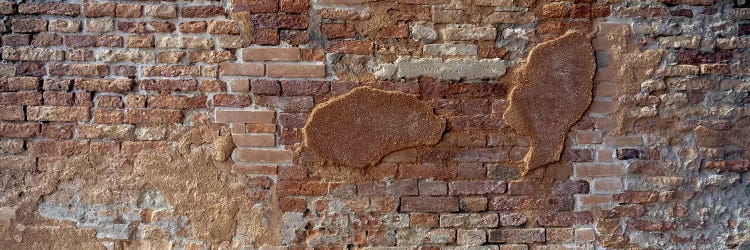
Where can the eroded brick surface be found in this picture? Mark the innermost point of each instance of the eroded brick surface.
(159, 125)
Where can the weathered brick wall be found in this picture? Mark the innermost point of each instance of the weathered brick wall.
(157, 125)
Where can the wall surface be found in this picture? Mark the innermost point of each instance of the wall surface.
(375, 124)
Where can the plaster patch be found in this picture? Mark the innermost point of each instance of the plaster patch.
(359, 128)
(553, 91)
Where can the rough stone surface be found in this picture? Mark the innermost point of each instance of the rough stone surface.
(377, 122)
(565, 65)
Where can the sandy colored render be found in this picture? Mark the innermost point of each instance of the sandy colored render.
(359, 128)
(220, 211)
(553, 91)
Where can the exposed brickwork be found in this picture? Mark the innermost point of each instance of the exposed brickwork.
(179, 124)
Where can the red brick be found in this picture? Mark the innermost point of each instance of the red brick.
(599, 170)
(59, 69)
(426, 170)
(172, 70)
(58, 148)
(421, 220)
(202, 11)
(429, 204)
(299, 87)
(265, 87)
(19, 83)
(293, 205)
(255, 6)
(241, 69)
(279, 21)
(477, 187)
(152, 116)
(108, 101)
(19, 130)
(271, 54)
(296, 38)
(301, 188)
(108, 116)
(31, 69)
(266, 37)
(211, 56)
(510, 203)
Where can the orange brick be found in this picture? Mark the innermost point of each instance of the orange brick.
(241, 69)
(588, 137)
(601, 107)
(607, 186)
(605, 89)
(260, 128)
(264, 155)
(271, 54)
(624, 141)
(605, 155)
(254, 140)
(289, 70)
(589, 200)
(245, 116)
(599, 170)
(239, 85)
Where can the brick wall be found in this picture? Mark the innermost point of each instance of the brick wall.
(157, 125)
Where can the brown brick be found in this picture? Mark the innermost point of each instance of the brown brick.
(433, 188)
(128, 10)
(57, 130)
(295, 6)
(293, 205)
(530, 235)
(21, 98)
(338, 30)
(426, 170)
(152, 116)
(555, 10)
(46, 39)
(279, 21)
(255, 6)
(28, 25)
(57, 113)
(225, 100)
(352, 47)
(59, 69)
(193, 27)
(19, 83)
(12, 113)
(477, 187)
(108, 116)
(202, 11)
(286, 103)
(172, 70)
(301, 188)
(19, 130)
(99, 9)
(16, 40)
(266, 37)
(108, 101)
(62, 9)
(429, 204)
(104, 131)
(167, 101)
(271, 54)
(423, 220)
(565, 219)
(139, 41)
(103, 85)
(57, 148)
(288, 70)
(57, 98)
